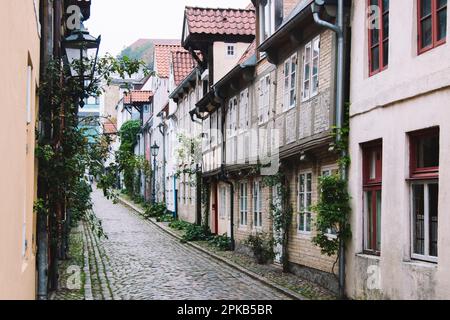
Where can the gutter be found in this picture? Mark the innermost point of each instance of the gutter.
(339, 29)
(222, 175)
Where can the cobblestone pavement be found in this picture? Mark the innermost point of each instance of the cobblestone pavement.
(140, 261)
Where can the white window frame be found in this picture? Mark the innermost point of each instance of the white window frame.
(244, 115)
(264, 99)
(223, 203)
(328, 171)
(267, 20)
(305, 213)
(257, 205)
(29, 94)
(425, 257)
(243, 204)
(290, 71)
(230, 48)
(308, 60)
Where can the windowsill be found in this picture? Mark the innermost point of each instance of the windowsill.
(420, 263)
(243, 228)
(258, 229)
(288, 108)
(368, 256)
(310, 98)
(304, 234)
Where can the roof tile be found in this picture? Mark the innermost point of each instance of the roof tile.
(137, 97)
(220, 21)
(162, 58)
(183, 64)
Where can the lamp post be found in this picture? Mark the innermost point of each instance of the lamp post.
(79, 47)
(154, 150)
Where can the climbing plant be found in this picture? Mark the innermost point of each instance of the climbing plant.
(64, 149)
(333, 208)
(281, 212)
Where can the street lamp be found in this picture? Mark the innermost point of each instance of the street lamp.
(154, 150)
(79, 47)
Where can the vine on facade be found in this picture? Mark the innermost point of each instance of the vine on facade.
(333, 208)
(281, 213)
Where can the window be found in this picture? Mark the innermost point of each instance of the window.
(257, 204)
(264, 100)
(244, 110)
(311, 60)
(243, 204)
(372, 186)
(432, 23)
(230, 50)
(266, 19)
(29, 94)
(304, 202)
(327, 172)
(223, 203)
(232, 117)
(379, 38)
(290, 82)
(424, 159)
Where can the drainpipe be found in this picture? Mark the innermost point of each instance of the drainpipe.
(222, 175)
(162, 130)
(338, 28)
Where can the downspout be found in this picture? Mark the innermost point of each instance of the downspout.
(222, 175)
(338, 28)
(162, 130)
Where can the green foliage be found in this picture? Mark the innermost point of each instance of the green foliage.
(222, 243)
(64, 152)
(179, 225)
(281, 212)
(168, 217)
(156, 210)
(333, 211)
(262, 247)
(131, 165)
(197, 233)
(341, 137)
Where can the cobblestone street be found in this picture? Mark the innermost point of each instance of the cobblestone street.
(140, 261)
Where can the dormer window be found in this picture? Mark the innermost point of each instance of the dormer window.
(266, 19)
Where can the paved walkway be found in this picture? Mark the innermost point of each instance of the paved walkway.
(140, 261)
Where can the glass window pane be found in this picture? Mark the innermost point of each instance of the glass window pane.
(428, 152)
(418, 219)
(375, 37)
(427, 32)
(433, 198)
(442, 24)
(386, 26)
(301, 226)
(309, 183)
(425, 8)
(375, 57)
(385, 5)
(369, 215)
(385, 53)
(441, 3)
(308, 222)
(378, 221)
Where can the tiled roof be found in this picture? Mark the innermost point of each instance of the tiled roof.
(183, 64)
(109, 128)
(162, 58)
(251, 50)
(137, 97)
(220, 21)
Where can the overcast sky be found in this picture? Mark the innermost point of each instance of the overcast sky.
(122, 22)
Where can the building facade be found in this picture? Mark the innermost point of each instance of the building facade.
(20, 67)
(399, 137)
